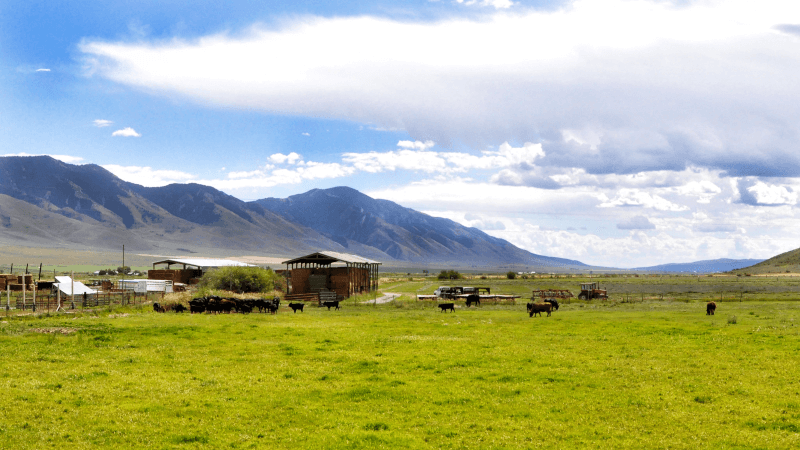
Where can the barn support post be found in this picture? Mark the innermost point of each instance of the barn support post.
(72, 289)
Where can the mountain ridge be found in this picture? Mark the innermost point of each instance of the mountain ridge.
(47, 202)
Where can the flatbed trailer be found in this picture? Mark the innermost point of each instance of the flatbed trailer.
(495, 298)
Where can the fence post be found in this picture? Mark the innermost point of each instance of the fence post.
(34, 297)
(8, 297)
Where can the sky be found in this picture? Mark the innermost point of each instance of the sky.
(622, 133)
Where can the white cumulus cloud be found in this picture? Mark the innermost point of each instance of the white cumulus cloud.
(126, 132)
(100, 123)
(635, 197)
(147, 176)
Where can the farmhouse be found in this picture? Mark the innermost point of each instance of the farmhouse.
(190, 269)
(331, 273)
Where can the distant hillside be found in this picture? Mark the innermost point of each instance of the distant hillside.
(708, 266)
(785, 262)
(351, 218)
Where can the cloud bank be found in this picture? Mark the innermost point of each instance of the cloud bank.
(609, 86)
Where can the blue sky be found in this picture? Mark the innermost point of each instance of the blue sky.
(616, 132)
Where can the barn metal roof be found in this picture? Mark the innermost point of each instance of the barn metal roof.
(204, 263)
(65, 285)
(329, 257)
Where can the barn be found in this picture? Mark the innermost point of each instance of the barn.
(327, 272)
(188, 269)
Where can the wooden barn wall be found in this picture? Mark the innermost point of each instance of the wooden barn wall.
(175, 275)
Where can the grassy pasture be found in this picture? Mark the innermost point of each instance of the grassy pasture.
(403, 375)
(621, 288)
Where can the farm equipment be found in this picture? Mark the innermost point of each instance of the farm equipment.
(591, 291)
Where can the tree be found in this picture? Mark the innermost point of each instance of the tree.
(240, 279)
(449, 275)
(511, 275)
(123, 269)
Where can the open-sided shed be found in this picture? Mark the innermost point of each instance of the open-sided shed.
(343, 273)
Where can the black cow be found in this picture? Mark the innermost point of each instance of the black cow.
(296, 306)
(711, 308)
(553, 302)
(158, 308)
(198, 305)
(334, 303)
(261, 304)
(445, 306)
(473, 298)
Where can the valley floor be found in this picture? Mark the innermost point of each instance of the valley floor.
(404, 375)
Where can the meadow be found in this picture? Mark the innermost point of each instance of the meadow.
(653, 374)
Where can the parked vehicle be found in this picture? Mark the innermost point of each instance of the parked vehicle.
(591, 291)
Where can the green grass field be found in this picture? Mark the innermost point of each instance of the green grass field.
(403, 375)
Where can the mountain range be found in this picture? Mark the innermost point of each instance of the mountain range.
(46, 202)
(707, 266)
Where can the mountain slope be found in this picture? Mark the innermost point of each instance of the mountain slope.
(141, 218)
(349, 217)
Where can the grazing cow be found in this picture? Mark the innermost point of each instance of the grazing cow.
(244, 308)
(228, 305)
(445, 306)
(296, 306)
(553, 302)
(158, 308)
(176, 307)
(198, 305)
(539, 308)
(333, 303)
(261, 304)
(473, 298)
(711, 307)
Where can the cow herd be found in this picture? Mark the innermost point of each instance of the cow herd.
(215, 304)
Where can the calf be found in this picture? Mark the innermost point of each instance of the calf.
(553, 302)
(334, 303)
(158, 308)
(296, 306)
(476, 299)
(711, 307)
(445, 306)
(539, 308)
